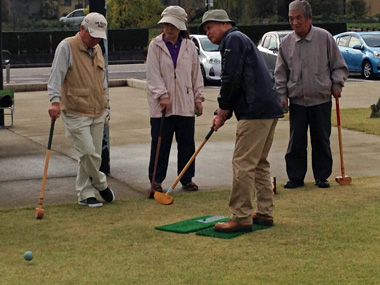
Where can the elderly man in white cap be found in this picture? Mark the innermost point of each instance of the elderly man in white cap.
(77, 94)
(174, 86)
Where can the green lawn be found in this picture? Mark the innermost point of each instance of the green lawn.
(321, 236)
(358, 120)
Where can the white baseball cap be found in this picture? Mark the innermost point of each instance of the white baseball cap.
(96, 25)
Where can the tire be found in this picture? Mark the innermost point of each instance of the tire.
(204, 75)
(367, 71)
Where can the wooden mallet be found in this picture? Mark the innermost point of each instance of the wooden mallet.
(342, 180)
(39, 213)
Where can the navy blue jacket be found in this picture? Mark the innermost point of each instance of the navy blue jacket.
(247, 87)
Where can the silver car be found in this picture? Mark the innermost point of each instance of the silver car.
(73, 18)
(209, 57)
(268, 47)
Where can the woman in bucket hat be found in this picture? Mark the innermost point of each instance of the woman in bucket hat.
(174, 86)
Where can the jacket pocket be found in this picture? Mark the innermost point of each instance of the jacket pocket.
(293, 88)
(189, 100)
(78, 99)
(322, 84)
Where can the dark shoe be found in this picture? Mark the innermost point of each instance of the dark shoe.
(191, 186)
(157, 187)
(107, 195)
(232, 227)
(262, 220)
(322, 183)
(291, 184)
(91, 202)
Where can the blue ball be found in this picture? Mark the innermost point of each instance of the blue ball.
(28, 255)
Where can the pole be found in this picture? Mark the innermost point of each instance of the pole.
(1, 59)
(100, 6)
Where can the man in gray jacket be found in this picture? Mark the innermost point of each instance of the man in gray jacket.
(309, 69)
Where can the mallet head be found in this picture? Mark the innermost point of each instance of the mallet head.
(164, 199)
(346, 180)
(39, 213)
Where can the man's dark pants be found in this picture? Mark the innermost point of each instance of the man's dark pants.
(319, 119)
(183, 127)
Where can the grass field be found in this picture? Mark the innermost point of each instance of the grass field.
(358, 120)
(321, 236)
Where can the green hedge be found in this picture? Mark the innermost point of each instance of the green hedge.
(120, 40)
(19, 43)
(255, 32)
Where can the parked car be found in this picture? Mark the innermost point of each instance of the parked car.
(73, 18)
(268, 47)
(209, 57)
(361, 51)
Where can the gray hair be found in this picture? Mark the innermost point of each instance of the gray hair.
(85, 25)
(301, 5)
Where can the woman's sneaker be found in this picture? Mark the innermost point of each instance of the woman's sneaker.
(91, 202)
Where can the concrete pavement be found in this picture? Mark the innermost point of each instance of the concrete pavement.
(23, 147)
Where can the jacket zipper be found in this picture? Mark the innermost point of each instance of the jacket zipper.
(175, 90)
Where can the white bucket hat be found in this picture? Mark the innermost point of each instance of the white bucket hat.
(96, 25)
(176, 16)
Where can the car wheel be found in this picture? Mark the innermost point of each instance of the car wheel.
(367, 72)
(203, 75)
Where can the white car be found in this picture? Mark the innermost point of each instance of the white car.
(73, 18)
(209, 57)
(269, 45)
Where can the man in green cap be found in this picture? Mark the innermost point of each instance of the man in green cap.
(248, 90)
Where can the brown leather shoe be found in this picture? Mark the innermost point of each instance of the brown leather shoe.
(157, 187)
(262, 220)
(191, 186)
(232, 227)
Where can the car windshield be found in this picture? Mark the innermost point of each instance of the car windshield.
(372, 40)
(208, 46)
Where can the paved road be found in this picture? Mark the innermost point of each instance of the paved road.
(118, 71)
(41, 74)
(22, 148)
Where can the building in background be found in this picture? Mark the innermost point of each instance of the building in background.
(373, 7)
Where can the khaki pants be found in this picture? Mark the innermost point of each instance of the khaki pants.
(86, 134)
(251, 170)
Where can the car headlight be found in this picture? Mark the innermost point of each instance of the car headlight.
(376, 54)
(214, 60)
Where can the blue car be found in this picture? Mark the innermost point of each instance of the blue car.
(361, 51)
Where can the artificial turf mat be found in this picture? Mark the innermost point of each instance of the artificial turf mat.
(192, 225)
(211, 233)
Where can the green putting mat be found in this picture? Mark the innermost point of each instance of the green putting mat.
(211, 233)
(192, 225)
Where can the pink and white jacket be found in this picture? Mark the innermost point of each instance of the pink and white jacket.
(183, 85)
